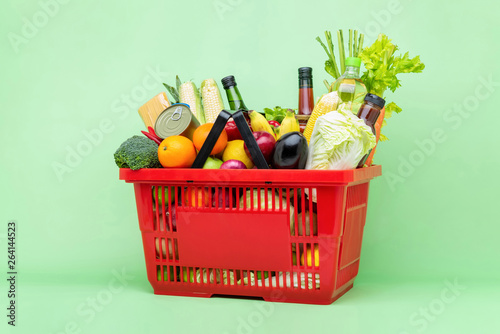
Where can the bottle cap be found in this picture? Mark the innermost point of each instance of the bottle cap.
(305, 73)
(228, 81)
(353, 61)
(375, 99)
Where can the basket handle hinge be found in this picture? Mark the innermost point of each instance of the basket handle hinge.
(246, 134)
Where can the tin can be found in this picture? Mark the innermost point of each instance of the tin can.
(176, 120)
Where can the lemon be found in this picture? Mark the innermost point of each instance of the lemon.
(309, 257)
(235, 149)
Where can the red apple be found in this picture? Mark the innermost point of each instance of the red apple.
(232, 131)
(266, 143)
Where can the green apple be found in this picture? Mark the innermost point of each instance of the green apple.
(164, 191)
(191, 275)
(212, 163)
(259, 275)
(165, 275)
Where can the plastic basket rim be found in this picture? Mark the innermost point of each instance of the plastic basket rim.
(268, 176)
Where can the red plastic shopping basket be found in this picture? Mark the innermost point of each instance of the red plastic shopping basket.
(282, 235)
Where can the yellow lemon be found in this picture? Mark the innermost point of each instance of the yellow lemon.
(309, 257)
(235, 149)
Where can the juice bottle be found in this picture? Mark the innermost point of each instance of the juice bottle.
(349, 87)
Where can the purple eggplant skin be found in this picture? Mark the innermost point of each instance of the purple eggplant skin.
(290, 151)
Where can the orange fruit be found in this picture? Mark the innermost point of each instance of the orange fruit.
(201, 134)
(199, 197)
(176, 151)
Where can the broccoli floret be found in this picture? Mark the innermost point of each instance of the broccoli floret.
(137, 152)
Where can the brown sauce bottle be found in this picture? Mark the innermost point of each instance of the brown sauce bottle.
(306, 98)
(369, 112)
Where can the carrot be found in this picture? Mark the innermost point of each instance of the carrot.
(378, 127)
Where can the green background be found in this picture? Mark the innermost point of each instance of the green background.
(433, 223)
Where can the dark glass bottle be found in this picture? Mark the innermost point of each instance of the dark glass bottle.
(233, 94)
(369, 112)
(306, 97)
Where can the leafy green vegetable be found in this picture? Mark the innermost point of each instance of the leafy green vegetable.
(355, 46)
(340, 39)
(174, 92)
(178, 83)
(339, 141)
(382, 68)
(330, 64)
(277, 114)
(360, 44)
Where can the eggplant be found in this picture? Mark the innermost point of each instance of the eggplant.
(291, 151)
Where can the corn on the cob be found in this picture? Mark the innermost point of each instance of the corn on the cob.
(327, 103)
(212, 100)
(189, 94)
